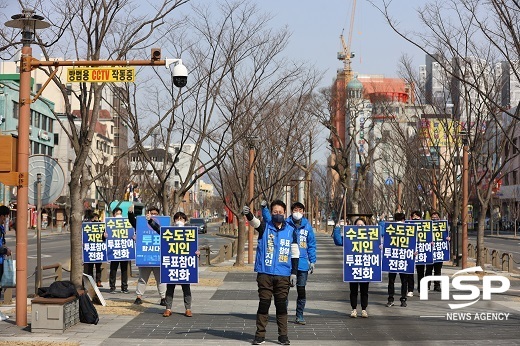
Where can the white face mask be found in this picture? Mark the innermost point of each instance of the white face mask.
(179, 223)
(297, 216)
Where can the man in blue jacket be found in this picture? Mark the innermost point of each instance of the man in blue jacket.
(307, 244)
(276, 264)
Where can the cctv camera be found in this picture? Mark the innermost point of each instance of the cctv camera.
(180, 75)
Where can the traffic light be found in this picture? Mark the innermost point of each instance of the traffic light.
(156, 54)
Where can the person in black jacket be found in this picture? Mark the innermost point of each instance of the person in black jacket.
(118, 212)
(180, 220)
(276, 265)
(144, 272)
(88, 268)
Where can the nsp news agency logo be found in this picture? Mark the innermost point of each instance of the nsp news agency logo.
(491, 284)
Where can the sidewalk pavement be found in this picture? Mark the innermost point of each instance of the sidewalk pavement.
(225, 303)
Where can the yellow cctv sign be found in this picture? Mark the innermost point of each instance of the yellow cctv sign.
(101, 74)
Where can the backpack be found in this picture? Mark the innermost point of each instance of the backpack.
(87, 310)
(61, 289)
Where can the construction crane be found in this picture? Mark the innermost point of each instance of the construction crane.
(346, 54)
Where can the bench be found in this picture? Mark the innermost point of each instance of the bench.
(54, 315)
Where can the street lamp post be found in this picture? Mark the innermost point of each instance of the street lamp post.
(251, 194)
(465, 197)
(28, 22)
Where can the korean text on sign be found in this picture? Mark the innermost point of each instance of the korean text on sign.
(120, 242)
(424, 241)
(148, 242)
(179, 262)
(441, 246)
(94, 246)
(399, 242)
(361, 254)
(101, 74)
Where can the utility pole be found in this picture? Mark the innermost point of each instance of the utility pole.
(251, 195)
(465, 197)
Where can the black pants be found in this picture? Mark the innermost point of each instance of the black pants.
(124, 274)
(186, 292)
(410, 282)
(391, 286)
(88, 268)
(363, 288)
(420, 274)
(434, 269)
(269, 286)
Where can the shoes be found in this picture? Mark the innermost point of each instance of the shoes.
(188, 313)
(364, 314)
(125, 291)
(300, 320)
(112, 291)
(437, 289)
(258, 341)
(409, 294)
(353, 314)
(99, 284)
(283, 340)
(390, 303)
(167, 313)
(403, 303)
(138, 301)
(163, 302)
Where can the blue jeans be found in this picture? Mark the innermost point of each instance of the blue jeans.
(301, 281)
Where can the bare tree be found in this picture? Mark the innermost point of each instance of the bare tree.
(110, 30)
(476, 44)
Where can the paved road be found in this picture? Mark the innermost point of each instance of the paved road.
(505, 243)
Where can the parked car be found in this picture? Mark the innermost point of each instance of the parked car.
(200, 223)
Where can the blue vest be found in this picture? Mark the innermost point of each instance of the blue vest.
(273, 252)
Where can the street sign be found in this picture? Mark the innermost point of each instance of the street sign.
(389, 181)
(100, 74)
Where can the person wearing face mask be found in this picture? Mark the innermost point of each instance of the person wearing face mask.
(435, 268)
(398, 217)
(355, 287)
(144, 272)
(276, 265)
(179, 219)
(307, 244)
(118, 212)
(417, 215)
(88, 268)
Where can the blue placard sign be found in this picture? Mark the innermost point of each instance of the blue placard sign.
(120, 242)
(441, 246)
(424, 241)
(94, 246)
(361, 254)
(399, 241)
(179, 262)
(148, 242)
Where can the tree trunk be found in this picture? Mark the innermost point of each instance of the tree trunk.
(480, 236)
(76, 219)
(242, 235)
